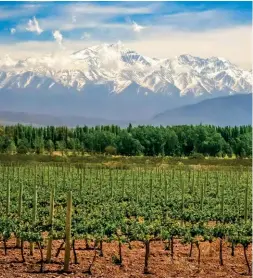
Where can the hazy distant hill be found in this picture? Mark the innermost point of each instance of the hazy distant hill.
(231, 110)
(222, 111)
(10, 118)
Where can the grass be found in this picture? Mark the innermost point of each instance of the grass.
(125, 161)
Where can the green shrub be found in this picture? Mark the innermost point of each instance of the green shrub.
(22, 149)
(110, 150)
(196, 156)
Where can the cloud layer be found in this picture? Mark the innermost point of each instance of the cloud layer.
(155, 29)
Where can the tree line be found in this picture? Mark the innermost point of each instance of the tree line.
(185, 140)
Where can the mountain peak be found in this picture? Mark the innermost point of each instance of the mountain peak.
(116, 67)
(93, 51)
(186, 56)
(117, 44)
(7, 61)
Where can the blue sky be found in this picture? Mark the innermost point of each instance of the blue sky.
(161, 29)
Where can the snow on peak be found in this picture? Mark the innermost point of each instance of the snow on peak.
(115, 64)
(7, 61)
(90, 52)
(118, 45)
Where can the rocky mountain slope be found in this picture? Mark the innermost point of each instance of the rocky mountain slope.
(109, 81)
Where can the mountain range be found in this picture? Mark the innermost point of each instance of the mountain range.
(112, 82)
(222, 111)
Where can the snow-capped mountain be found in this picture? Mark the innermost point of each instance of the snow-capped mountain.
(119, 67)
(96, 74)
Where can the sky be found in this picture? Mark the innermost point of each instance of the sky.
(155, 29)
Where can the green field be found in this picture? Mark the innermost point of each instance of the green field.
(125, 205)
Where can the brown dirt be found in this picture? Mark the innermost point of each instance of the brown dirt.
(160, 262)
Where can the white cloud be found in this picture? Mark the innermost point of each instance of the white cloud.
(110, 59)
(85, 36)
(7, 12)
(20, 50)
(13, 31)
(195, 20)
(33, 26)
(232, 43)
(96, 21)
(58, 37)
(123, 9)
(136, 27)
(62, 60)
(92, 15)
(73, 19)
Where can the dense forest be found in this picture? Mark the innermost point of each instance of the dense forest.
(142, 140)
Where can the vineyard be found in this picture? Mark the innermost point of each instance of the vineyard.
(57, 213)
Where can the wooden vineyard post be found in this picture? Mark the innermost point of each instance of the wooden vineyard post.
(111, 184)
(217, 184)
(202, 196)
(81, 185)
(68, 232)
(166, 190)
(136, 190)
(20, 203)
(8, 201)
(51, 217)
(182, 185)
(123, 186)
(193, 182)
(246, 200)
(34, 215)
(222, 199)
(150, 189)
(100, 183)
(206, 183)
(90, 182)
(189, 176)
